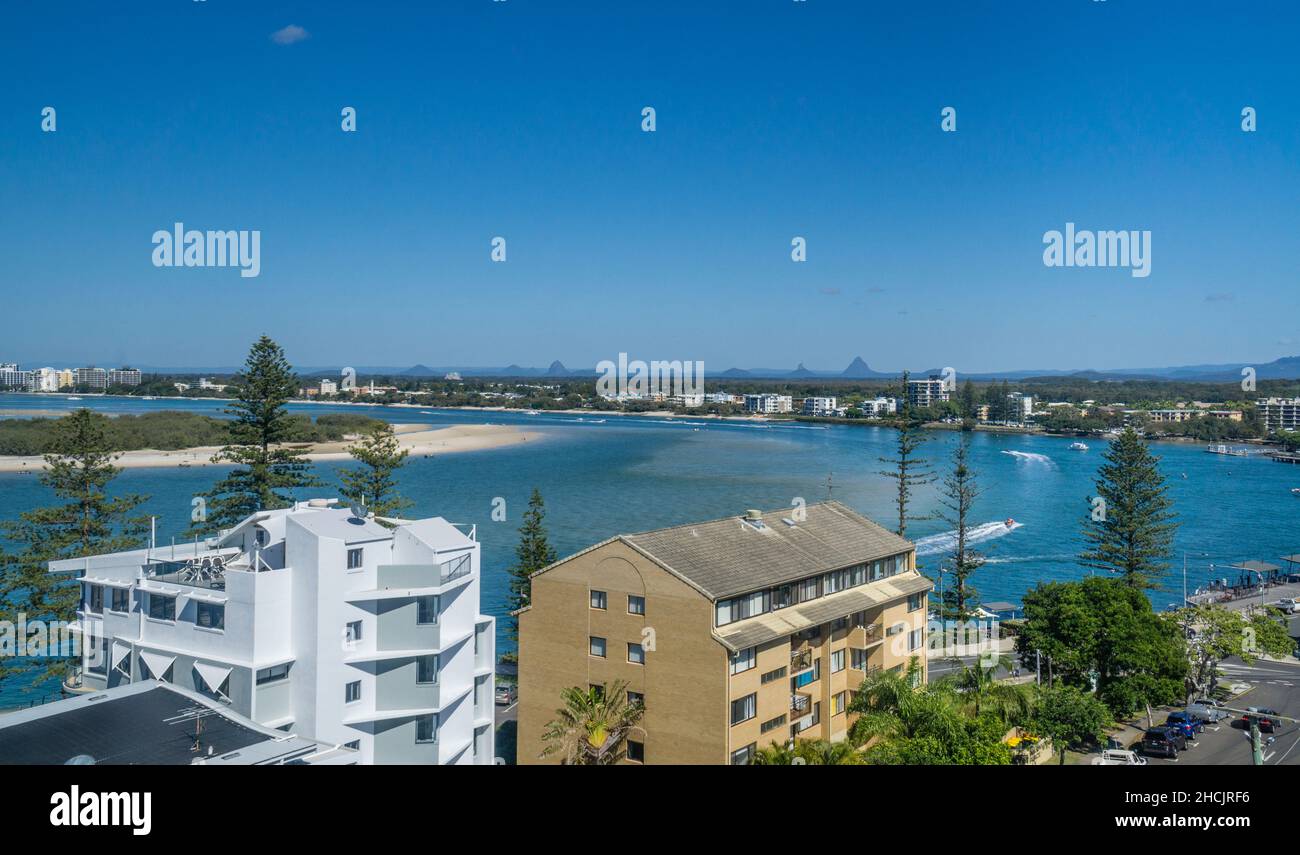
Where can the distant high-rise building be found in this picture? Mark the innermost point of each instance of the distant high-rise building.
(12, 377)
(124, 377)
(95, 378)
(925, 393)
(1279, 414)
(769, 403)
(818, 406)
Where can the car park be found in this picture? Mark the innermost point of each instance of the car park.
(1190, 724)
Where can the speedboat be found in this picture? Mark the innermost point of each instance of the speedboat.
(1078, 446)
(1295, 491)
(1010, 522)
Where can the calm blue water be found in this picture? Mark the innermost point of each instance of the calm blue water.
(631, 474)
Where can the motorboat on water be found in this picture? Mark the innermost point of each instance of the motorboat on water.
(1295, 491)
(1078, 446)
(1010, 523)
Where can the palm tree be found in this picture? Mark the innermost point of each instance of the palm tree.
(808, 752)
(591, 728)
(980, 692)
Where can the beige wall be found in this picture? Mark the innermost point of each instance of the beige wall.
(683, 678)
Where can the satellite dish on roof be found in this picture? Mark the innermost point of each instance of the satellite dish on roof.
(80, 760)
(358, 510)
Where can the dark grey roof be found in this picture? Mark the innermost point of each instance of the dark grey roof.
(1257, 566)
(730, 556)
(140, 723)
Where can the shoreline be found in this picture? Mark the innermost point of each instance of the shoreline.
(419, 440)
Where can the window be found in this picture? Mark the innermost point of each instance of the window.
(355, 745)
(635, 605)
(352, 692)
(274, 674)
(352, 632)
(858, 658)
(895, 629)
(915, 638)
(261, 537)
(915, 601)
(596, 646)
(840, 624)
(425, 731)
(598, 600)
(773, 675)
(210, 615)
(809, 590)
(121, 600)
(837, 703)
(743, 661)
(636, 699)
(837, 661)
(739, 608)
(95, 599)
(426, 669)
(426, 610)
(743, 709)
(597, 689)
(636, 751)
(162, 608)
(772, 723)
(742, 756)
(354, 559)
(635, 654)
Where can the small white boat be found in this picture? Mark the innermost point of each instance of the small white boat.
(73, 398)
(1295, 491)
(1078, 446)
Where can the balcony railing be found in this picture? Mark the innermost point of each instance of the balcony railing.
(800, 704)
(800, 660)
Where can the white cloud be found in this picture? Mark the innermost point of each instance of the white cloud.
(289, 35)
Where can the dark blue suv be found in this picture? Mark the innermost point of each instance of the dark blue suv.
(1164, 741)
(1189, 724)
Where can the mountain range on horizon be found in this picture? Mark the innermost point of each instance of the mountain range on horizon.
(1284, 368)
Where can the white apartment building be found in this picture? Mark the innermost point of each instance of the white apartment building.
(312, 620)
(687, 399)
(723, 398)
(1279, 414)
(924, 393)
(44, 380)
(328, 387)
(13, 377)
(879, 407)
(819, 406)
(769, 403)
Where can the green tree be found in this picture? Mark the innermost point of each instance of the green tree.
(1132, 533)
(1218, 633)
(968, 405)
(79, 469)
(981, 692)
(1101, 630)
(532, 554)
(267, 469)
(374, 483)
(1071, 717)
(960, 490)
(808, 752)
(908, 468)
(592, 727)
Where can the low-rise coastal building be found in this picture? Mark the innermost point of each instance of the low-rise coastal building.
(732, 633)
(769, 403)
(312, 619)
(819, 406)
(1277, 414)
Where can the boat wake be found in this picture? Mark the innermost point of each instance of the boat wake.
(1031, 457)
(937, 544)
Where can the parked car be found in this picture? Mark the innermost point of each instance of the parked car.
(1266, 718)
(1163, 742)
(1206, 710)
(507, 694)
(1185, 724)
(1118, 757)
(1290, 605)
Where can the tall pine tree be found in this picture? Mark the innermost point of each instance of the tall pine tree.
(908, 469)
(532, 554)
(79, 469)
(1131, 532)
(959, 493)
(267, 468)
(374, 483)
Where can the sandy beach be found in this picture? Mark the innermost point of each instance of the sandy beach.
(420, 440)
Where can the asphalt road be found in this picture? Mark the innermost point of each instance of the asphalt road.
(1275, 685)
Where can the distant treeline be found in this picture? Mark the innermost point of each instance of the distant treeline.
(170, 430)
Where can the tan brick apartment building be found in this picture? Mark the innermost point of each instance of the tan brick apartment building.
(735, 633)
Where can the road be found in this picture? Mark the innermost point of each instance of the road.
(1275, 685)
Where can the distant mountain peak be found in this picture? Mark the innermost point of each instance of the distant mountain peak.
(857, 368)
(557, 369)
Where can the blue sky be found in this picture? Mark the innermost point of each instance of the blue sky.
(774, 119)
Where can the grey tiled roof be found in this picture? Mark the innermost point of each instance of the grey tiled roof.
(729, 556)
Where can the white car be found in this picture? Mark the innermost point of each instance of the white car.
(1289, 605)
(1116, 757)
